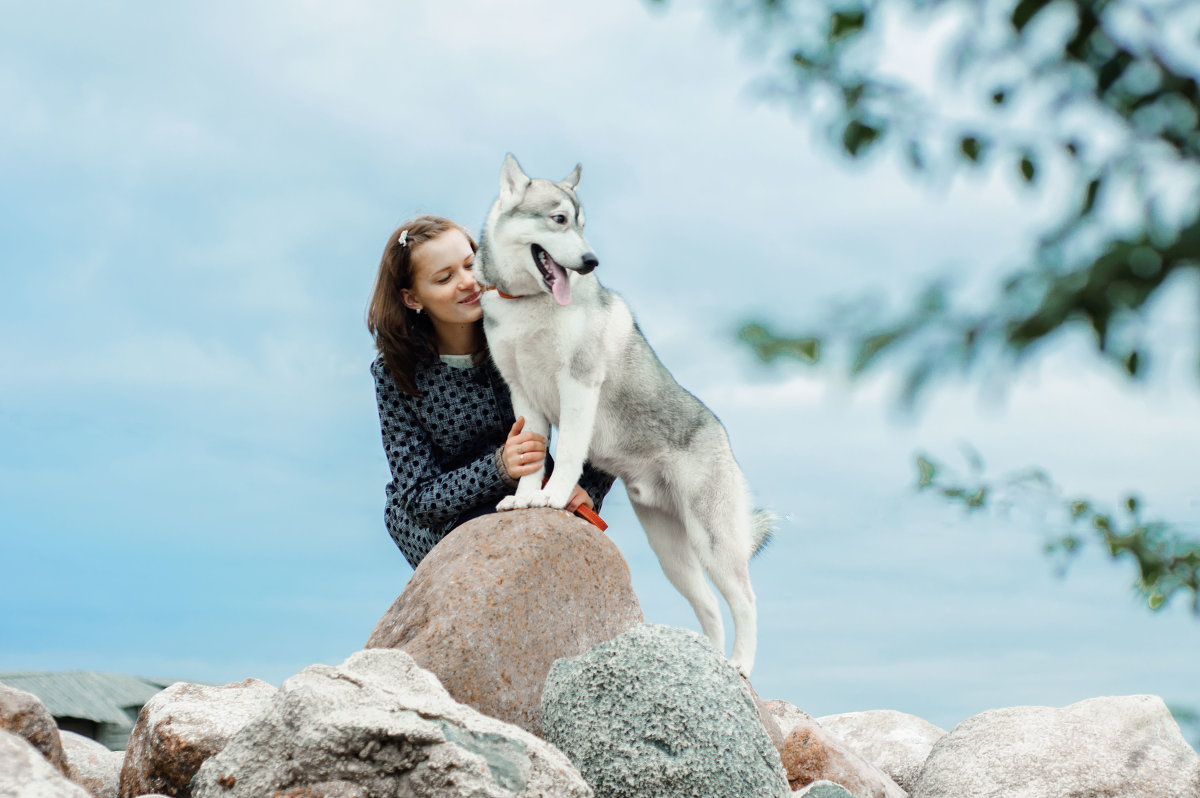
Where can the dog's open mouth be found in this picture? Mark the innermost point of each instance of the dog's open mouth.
(553, 275)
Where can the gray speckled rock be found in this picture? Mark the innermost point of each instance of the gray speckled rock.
(895, 742)
(658, 711)
(1120, 747)
(380, 726)
(26, 773)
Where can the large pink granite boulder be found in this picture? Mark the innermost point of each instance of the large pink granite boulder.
(181, 727)
(26, 716)
(503, 596)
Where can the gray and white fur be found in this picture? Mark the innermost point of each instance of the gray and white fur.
(573, 357)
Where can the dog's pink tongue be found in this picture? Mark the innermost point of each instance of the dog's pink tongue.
(561, 286)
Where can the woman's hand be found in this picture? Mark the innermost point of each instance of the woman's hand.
(579, 496)
(524, 452)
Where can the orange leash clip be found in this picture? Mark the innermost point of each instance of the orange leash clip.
(588, 514)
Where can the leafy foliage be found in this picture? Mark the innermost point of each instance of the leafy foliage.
(1104, 91)
(1167, 564)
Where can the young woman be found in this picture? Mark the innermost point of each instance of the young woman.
(447, 421)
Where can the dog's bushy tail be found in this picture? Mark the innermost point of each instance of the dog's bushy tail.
(763, 529)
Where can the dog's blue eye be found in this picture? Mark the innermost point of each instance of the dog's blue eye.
(558, 217)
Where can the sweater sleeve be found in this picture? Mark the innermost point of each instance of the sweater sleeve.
(421, 490)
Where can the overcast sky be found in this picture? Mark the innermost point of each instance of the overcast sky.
(193, 201)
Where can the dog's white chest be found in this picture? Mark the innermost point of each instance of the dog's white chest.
(534, 349)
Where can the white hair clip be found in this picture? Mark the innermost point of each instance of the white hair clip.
(403, 239)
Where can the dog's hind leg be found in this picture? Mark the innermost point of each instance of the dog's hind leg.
(721, 545)
(730, 572)
(718, 526)
(668, 538)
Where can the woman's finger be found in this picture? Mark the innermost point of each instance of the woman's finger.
(526, 467)
(533, 458)
(525, 437)
(517, 426)
(524, 444)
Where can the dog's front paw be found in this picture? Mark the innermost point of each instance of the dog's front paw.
(556, 496)
(522, 501)
(540, 499)
(546, 498)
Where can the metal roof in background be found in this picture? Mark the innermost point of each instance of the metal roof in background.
(99, 697)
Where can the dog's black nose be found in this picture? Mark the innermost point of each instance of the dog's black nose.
(590, 262)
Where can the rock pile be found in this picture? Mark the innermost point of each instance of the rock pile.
(531, 617)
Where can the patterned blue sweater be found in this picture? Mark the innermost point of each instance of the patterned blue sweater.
(441, 447)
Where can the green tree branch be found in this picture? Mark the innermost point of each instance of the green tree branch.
(1167, 563)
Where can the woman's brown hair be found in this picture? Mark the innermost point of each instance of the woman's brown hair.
(404, 337)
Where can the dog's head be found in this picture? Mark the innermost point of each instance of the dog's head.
(534, 235)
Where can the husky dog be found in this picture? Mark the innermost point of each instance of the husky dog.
(573, 357)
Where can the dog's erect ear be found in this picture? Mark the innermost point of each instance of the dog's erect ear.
(572, 180)
(513, 182)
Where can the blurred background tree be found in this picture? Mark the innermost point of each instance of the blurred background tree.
(1097, 96)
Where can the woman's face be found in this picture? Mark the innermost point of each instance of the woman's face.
(443, 281)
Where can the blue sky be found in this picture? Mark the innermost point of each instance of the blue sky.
(193, 200)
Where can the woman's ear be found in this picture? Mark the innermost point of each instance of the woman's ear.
(409, 300)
